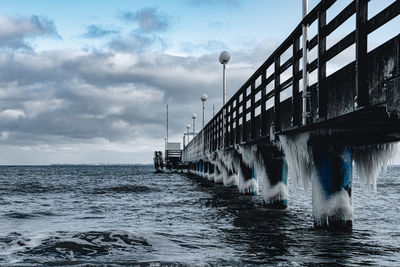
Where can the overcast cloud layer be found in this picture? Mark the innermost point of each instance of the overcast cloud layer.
(105, 101)
(107, 104)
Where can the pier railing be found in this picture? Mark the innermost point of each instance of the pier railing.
(270, 101)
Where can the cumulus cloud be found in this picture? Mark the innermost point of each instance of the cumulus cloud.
(149, 19)
(12, 114)
(98, 31)
(15, 33)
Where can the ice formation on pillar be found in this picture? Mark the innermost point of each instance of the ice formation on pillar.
(229, 176)
(298, 157)
(327, 206)
(211, 160)
(248, 155)
(219, 171)
(372, 159)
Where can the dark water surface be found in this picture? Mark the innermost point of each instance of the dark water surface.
(123, 215)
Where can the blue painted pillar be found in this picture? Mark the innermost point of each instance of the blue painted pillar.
(277, 170)
(332, 203)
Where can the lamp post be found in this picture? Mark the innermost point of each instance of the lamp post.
(194, 116)
(203, 99)
(165, 154)
(188, 131)
(224, 58)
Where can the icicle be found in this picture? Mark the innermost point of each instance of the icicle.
(298, 157)
(372, 159)
(248, 155)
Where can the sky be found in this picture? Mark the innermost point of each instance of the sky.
(88, 81)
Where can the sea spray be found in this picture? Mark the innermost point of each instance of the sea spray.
(370, 160)
(247, 154)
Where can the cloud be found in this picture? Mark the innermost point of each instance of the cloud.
(210, 45)
(97, 31)
(16, 32)
(12, 114)
(116, 99)
(229, 3)
(137, 43)
(149, 19)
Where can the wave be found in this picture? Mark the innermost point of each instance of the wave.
(19, 215)
(72, 246)
(23, 215)
(124, 189)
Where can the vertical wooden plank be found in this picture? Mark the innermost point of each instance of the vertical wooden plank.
(322, 88)
(361, 53)
(263, 101)
(277, 94)
(295, 88)
(252, 114)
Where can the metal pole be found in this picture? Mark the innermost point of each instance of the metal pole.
(305, 60)
(194, 128)
(213, 110)
(167, 124)
(224, 85)
(223, 105)
(203, 113)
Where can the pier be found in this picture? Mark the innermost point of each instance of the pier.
(278, 125)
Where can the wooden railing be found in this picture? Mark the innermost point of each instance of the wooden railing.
(255, 112)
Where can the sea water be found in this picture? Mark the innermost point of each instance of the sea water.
(122, 215)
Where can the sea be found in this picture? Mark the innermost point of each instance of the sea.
(129, 215)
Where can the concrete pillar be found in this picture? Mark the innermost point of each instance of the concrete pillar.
(332, 202)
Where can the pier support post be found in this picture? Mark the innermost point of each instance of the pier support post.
(332, 202)
(247, 176)
(201, 168)
(211, 169)
(275, 180)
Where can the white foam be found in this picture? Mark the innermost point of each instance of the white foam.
(371, 160)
